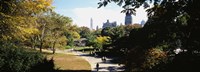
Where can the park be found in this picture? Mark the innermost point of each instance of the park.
(58, 36)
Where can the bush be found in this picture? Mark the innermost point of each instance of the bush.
(44, 66)
(15, 59)
(68, 47)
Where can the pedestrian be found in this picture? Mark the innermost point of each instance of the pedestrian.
(97, 67)
(95, 54)
(103, 59)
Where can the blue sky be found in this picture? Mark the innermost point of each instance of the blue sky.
(65, 7)
(81, 11)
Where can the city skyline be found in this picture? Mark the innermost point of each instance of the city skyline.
(82, 11)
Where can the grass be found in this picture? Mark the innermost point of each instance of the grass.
(68, 47)
(69, 62)
(84, 49)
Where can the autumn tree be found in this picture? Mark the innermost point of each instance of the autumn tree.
(100, 41)
(19, 19)
(172, 24)
(55, 32)
(18, 24)
(84, 32)
(72, 33)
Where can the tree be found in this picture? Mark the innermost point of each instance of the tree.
(171, 25)
(55, 29)
(18, 25)
(43, 21)
(72, 33)
(114, 33)
(84, 32)
(100, 41)
(18, 19)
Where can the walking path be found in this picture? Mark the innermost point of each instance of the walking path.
(103, 66)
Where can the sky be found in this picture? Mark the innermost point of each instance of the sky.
(81, 12)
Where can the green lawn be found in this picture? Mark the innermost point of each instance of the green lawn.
(69, 62)
(84, 49)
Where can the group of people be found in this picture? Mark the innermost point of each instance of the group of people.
(103, 59)
(97, 65)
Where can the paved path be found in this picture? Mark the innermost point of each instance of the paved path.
(103, 66)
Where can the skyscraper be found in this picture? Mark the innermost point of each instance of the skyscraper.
(97, 27)
(109, 24)
(128, 18)
(91, 23)
(142, 23)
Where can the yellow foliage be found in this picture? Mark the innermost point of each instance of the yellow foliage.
(44, 3)
(154, 57)
(19, 22)
(36, 6)
(62, 41)
(102, 39)
(76, 35)
(40, 6)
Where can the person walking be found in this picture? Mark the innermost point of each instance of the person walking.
(103, 59)
(97, 67)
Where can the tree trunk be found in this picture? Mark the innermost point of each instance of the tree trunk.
(42, 37)
(34, 43)
(54, 50)
(41, 45)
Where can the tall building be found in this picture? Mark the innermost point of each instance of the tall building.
(142, 23)
(128, 18)
(109, 24)
(91, 23)
(97, 27)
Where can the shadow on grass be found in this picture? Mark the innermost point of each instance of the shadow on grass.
(49, 66)
(73, 71)
(84, 49)
(112, 68)
(107, 62)
(47, 53)
(44, 66)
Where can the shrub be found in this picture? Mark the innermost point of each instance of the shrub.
(68, 47)
(15, 59)
(154, 57)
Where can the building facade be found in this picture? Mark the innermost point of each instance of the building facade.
(142, 23)
(109, 24)
(128, 18)
(91, 24)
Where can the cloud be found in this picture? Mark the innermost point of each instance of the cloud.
(140, 15)
(83, 16)
(65, 12)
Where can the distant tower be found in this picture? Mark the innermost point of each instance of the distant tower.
(142, 23)
(128, 18)
(121, 24)
(91, 24)
(97, 27)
